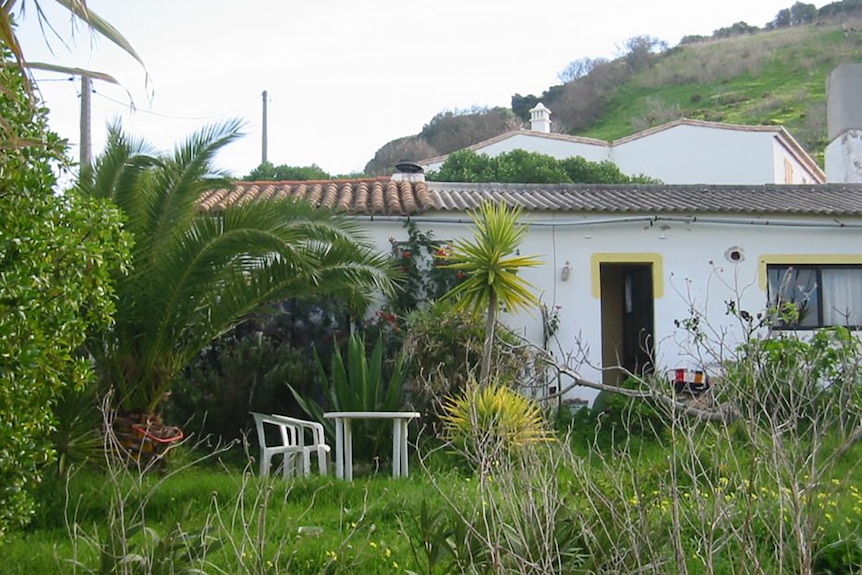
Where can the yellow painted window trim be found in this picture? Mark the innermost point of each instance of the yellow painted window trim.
(597, 259)
(802, 259)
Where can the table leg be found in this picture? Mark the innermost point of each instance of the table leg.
(396, 448)
(339, 448)
(404, 447)
(348, 450)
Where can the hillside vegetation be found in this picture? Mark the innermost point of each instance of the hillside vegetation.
(741, 75)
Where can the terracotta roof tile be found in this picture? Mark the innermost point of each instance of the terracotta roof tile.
(382, 196)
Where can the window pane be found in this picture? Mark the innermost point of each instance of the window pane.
(842, 296)
(798, 286)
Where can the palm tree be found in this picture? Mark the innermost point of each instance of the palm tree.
(491, 262)
(80, 12)
(10, 10)
(194, 276)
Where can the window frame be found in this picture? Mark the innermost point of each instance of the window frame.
(818, 269)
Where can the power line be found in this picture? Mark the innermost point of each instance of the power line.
(168, 116)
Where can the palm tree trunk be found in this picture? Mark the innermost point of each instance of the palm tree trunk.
(490, 323)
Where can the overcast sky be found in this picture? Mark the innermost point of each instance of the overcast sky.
(343, 76)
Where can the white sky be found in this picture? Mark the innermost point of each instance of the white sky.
(343, 76)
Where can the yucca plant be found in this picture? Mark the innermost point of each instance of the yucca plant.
(358, 384)
(491, 262)
(489, 421)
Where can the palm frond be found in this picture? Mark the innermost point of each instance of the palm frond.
(196, 276)
(491, 262)
(81, 11)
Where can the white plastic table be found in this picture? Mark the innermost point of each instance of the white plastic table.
(344, 439)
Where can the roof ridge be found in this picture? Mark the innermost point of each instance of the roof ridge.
(322, 181)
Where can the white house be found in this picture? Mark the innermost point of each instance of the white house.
(680, 152)
(627, 263)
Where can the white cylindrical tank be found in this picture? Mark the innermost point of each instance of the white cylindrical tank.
(843, 155)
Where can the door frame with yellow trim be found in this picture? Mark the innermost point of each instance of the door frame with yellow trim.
(627, 285)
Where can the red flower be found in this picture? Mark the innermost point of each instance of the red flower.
(405, 254)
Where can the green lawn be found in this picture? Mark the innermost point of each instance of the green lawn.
(590, 505)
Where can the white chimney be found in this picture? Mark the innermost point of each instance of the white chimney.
(843, 156)
(540, 118)
(407, 171)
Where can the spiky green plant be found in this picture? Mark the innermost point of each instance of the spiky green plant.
(487, 421)
(491, 262)
(358, 384)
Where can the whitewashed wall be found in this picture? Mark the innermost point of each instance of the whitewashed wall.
(700, 155)
(682, 154)
(800, 173)
(844, 158)
(696, 271)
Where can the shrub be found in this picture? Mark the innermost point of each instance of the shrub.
(490, 421)
(248, 368)
(359, 383)
(57, 253)
(819, 377)
(443, 349)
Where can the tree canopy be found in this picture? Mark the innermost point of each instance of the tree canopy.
(522, 167)
(269, 172)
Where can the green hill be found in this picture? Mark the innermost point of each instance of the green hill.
(757, 77)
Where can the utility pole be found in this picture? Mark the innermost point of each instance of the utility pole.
(86, 154)
(263, 142)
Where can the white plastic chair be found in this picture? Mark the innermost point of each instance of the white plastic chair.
(292, 433)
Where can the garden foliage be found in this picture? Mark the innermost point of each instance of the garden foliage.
(358, 380)
(523, 167)
(197, 277)
(57, 255)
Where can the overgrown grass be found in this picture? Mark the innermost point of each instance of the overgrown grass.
(769, 78)
(310, 525)
(609, 495)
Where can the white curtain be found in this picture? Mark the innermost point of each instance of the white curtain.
(842, 297)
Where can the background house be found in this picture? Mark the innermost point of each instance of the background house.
(679, 152)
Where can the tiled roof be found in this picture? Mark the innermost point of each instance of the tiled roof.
(368, 196)
(821, 199)
(381, 196)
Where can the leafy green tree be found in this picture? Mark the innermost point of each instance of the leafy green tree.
(491, 263)
(196, 276)
(57, 253)
(465, 166)
(737, 29)
(802, 13)
(522, 167)
(798, 14)
(640, 52)
(268, 172)
(582, 171)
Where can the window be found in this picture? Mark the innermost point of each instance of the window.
(788, 171)
(823, 295)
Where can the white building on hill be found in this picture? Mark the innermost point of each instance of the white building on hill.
(680, 152)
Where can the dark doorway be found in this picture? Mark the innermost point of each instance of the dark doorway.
(628, 320)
